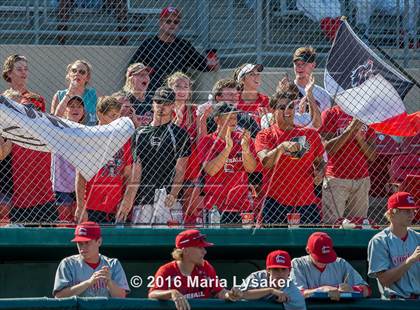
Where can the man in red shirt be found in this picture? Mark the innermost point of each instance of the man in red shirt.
(349, 145)
(227, 157)
(291, 155)
(189, 275)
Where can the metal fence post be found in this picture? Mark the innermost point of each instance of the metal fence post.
(259, 33)
(203, 13)
(406, 34)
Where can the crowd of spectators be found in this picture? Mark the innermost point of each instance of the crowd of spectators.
(294, 153)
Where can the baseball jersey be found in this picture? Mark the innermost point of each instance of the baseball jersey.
(348, 162)
(228, 188)
(291, 181)
(387, 251)
(307, 276)
(202, 283)
(73, 270)
(259, 279)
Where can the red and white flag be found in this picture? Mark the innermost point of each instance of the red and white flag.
(367, 88)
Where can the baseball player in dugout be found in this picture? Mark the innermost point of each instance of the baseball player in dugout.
(274, 283)
(90, 274)
(394, 253)
(189, 275)
(322, 271)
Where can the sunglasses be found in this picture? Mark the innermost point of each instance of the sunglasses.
(162, 102)
(284, 107)
(172, 21)
(81, 71)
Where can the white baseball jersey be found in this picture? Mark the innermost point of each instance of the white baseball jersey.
(387, 251)
(307, 276)
(259, 279)
(73, 270)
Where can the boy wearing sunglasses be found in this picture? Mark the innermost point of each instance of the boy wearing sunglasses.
(291, 155)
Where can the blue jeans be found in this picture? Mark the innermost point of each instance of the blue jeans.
(276, 213)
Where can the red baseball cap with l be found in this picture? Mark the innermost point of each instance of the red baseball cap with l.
(191, 238)
(320, 247)
(87, 231)
(402, 200)
(169, 10)
(278, 259)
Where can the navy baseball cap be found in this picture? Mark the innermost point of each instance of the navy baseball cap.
(164, 95)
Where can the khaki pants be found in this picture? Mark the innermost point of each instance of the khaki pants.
(339, 195)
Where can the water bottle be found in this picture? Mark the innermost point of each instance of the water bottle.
(366, 224)
(215, 217)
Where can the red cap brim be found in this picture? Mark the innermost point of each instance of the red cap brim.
(408, 207)
(81, 239)
(278, 266)
(325, 259)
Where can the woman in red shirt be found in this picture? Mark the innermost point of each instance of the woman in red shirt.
(185, 116)
(248, 77)
(32, 198)
(189, 275)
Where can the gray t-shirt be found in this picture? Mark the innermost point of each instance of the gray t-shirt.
(73, 270)
(387, 251)
(259, 279)
(307, 276)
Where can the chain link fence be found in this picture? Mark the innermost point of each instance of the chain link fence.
(114, 55)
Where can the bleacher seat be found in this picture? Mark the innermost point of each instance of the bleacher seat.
(404, 165)
(411, 145)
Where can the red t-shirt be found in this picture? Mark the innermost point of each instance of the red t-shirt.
(349, 162)
(228, 188)
(31, 177)
(192, 172)
(31, 169)
(169, 276)
(106, 189)
(291, 181)
(252, 107)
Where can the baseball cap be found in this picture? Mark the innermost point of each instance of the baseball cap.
(77, 98)
(278, 259)
(191, 238)
(247, 69)
(167, 11)
(402, 200)
(136, 68)
(305, 54)
(320, 247)
(164, 95)
(87, 231)
(223, 108)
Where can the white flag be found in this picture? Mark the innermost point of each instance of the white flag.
(88, 149)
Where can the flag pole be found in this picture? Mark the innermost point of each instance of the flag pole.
(385, 54)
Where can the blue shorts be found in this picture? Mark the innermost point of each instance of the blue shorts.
(5, 199)
(62, 198)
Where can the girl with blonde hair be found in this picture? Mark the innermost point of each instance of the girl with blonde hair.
(186, 117)
(78, 75)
